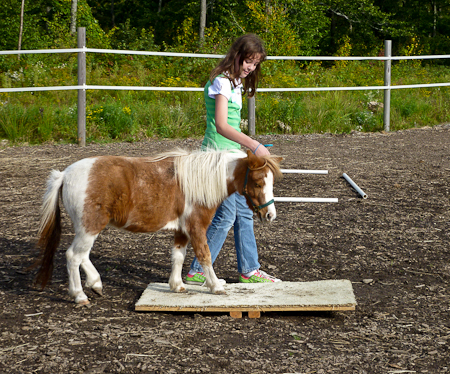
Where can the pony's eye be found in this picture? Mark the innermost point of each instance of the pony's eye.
(257, 185)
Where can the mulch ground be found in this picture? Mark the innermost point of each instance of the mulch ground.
(393, 246)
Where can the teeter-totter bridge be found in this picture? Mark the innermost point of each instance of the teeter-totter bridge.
(252, 298)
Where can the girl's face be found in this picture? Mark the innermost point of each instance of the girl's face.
(249, 65)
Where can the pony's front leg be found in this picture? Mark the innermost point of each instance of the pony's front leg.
(211, 279)
(203, 254)
(178, 255)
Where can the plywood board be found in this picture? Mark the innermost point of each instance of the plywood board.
(326, 295)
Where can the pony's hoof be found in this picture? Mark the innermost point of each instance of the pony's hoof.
(81, 299)
(180, 289)
(219, 292)
(83, 302)
(98, 290)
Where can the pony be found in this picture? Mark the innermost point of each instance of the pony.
(176, 190)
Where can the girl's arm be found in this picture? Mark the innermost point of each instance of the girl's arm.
(224, 129)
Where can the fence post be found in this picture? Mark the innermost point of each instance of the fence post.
(81, 43)
(387, 82)
(251, 115)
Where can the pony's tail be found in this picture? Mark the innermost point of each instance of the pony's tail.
(49, 228)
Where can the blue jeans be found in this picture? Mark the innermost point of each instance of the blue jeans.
(233, 211)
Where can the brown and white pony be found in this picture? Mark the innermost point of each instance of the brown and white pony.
(177, 191)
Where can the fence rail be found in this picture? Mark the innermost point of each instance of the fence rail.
(200, 89)
(180, 54)
(82, 86)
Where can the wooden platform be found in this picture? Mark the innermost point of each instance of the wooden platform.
(326, 295)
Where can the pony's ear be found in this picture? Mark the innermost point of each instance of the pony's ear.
(277, 159)
(254, 161)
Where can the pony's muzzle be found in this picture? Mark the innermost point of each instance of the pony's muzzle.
(270, 216)
(267, 215)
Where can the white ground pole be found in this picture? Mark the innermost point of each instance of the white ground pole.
(305, 199)
(355, 186)
(300, 171)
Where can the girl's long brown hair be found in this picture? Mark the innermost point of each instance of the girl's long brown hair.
(244, 47)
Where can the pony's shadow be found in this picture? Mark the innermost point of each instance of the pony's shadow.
(17, 276)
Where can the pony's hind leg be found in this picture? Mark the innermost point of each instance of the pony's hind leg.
(178, 255)
(75, 256)
(93, 280)
(212, 281)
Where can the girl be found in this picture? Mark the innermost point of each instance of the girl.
(223, 99)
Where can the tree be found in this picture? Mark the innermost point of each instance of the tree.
(21, 26)
(202, 22)
(73, 17)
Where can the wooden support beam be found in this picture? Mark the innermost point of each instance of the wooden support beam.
(236, 314)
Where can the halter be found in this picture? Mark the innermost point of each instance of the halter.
(256, 208)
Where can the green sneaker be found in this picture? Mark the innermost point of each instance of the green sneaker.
(259, 277)
(198, 279)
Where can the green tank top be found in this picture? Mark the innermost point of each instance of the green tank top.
(212, 138)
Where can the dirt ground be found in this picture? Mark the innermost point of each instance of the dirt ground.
(393, 246)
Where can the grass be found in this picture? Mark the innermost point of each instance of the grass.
(135, 115)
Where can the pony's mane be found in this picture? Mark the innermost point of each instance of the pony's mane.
(202, 175)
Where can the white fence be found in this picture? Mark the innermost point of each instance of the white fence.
(82, 86)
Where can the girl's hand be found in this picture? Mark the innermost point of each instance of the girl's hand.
(261, 151)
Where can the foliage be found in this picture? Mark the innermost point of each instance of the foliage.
(36, 124)
(289, 27)
(131, 38)
(319, 25)
(46, 24)
(273, 26)
(134, 115)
